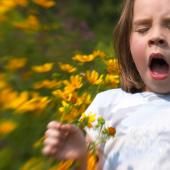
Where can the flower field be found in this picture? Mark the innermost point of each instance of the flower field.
(45, 75)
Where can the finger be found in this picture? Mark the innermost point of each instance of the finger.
(70, 129)
(47, 150)
(56, 129)
(67, 127)
(52, 142)
(52, 133)
(54, 151)
(54, 124)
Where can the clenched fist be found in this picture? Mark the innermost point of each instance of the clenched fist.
(64, 141)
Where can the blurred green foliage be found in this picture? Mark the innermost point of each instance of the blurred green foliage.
(43, 31)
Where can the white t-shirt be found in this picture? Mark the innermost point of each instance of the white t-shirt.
(142, 122)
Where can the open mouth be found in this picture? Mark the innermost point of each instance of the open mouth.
(159, 66)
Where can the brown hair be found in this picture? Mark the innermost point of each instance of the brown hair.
(130, 78)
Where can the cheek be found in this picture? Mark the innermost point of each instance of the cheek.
(138, 52)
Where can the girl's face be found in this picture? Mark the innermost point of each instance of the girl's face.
(150, 43)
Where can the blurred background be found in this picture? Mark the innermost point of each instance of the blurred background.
(55, 56)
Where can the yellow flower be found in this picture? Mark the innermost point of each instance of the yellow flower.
(3, 82)
(87, 119)
(85, 99)
(112, 66)
(77, 80)
(65, 108)
(38, 103)
(22, 102)
(73, 115)
(21, 2)
(70, 88)
(6, 127)
(74, 83)
(45, 3)
(83, 58)
(43, 68)
(2, 17)
(64, 165)
(16, 63)
(49, 84)
(93, 77)
(91, 162)
(91, 118)
(30, 24)
(67, 68)
(65, 95)
(7, 94)
(18, 100)
(6, 5)
(67, 112)
(98, 53)
(112, 80)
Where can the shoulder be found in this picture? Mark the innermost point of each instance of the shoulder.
(106, 100)
(112, 92)
(110, 95)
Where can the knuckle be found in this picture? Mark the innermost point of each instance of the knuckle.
(46, 133)
(46, 150)
(51, 124)
(46, 141)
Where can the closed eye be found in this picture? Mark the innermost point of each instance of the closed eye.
(142, 30)
(166, 23)
(142, 25)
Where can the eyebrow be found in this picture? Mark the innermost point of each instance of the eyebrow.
(147, 21)
(142, 22)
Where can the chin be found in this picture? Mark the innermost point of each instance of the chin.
(157, 86)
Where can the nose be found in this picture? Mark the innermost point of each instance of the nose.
(157, 38)
(158, 41)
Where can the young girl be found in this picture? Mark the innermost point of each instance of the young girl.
(140, 109)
